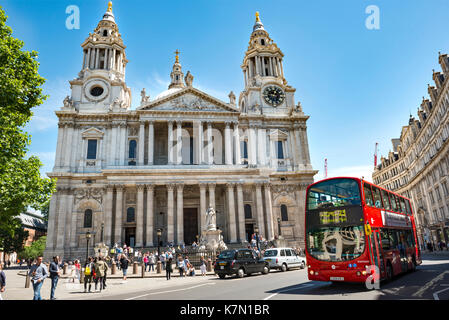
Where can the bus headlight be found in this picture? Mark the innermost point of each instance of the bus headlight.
(364, 272)
(311, 272)
(358, 273)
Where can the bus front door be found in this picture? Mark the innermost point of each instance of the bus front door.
(376, 249)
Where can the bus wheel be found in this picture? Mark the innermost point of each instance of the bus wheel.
(413, 265)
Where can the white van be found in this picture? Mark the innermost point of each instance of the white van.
(283, 259)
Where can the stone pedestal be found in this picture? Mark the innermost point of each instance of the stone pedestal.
(209, 265)
(280, 242)
(135, 267)
(101, 250)
(113, 267)
(64, 268)
(212, 240)
(159, 267)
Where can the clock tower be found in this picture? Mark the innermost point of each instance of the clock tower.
(266, 90)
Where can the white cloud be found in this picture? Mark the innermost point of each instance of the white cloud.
(365, 171)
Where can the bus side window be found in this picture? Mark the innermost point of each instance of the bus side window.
(393, 202)
(404, 210)
(393, 239)
(398, 204)
(385, 240)
(377, 198)
(407, 206)
(385, 199)
(410, 239)
(368, 195)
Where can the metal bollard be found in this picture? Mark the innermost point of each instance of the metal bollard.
(209, 265)
(27, 280)
(64, 268)
(113, 268)
(159, 267)
(143, 269)
(135, 267)
(82, 275)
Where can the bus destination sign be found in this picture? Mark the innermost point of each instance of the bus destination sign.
(333, 217)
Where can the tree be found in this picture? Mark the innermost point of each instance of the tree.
(14, 243)
(35, 250)
(21, 185)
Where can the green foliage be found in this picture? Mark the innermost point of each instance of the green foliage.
(14, 243)
(21, 185)
(35, 250)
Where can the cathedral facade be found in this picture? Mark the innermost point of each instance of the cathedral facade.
(123, 174)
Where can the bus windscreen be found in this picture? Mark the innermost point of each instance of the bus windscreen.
(333, 193)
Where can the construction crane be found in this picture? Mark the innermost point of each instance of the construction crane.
(325, 168)
(375, 154)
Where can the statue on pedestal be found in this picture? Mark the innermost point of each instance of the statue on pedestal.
(211, 219)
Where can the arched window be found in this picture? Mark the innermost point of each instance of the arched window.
(132, 149)
(130, 214)
(262, 42)
(105, 33)
(88, 218)
(284, 213)
(248, 213)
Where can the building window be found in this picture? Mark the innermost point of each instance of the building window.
(130, 214)
(91, 149)
(262, 42)
(245, 149)
(105, 33)
(132, 149)
(88, 218)
(280, 150)
(284, 213)
(248, 213)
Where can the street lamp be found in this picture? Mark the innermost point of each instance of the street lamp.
(102, 228)
(256, 231)
(159, 233)
(88, 236)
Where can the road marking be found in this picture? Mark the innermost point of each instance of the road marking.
(435, 295)
(168, 291)
(302, 286)
(430, 284)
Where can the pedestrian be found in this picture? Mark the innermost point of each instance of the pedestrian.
(38, 273)
(145, 261)
(2, 281)
(191, 270)
(203, 266)
(151, 261)
(100, 268)
(169, 269)
(54, 276)
(181, 266)
(163, 259)
(124, 265)
(88, 274)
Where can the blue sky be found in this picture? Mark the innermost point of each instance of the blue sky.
(358, 85)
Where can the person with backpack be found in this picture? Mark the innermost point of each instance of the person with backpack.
(124, 265)
(181, 266)
(169, 269)
(88, 274)
(100, 269)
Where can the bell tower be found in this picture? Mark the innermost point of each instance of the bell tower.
(100, 86)
(266, 90)
(176, 75)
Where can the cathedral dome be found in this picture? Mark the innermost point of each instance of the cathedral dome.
(168, 92)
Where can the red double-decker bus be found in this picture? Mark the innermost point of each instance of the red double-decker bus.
(355, 229)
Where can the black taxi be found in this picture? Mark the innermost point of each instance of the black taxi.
(239, 262)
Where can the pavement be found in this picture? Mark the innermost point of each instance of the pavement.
(429, 282)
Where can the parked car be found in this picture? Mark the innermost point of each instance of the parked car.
(239, 262)
(283, 259)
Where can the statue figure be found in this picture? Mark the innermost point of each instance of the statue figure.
(68, 102)
(188, 79)
(298, 107)
(231, 98)
(210, 219)
(144, 96)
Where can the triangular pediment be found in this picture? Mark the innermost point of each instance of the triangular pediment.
(92, 133)
(188, 99)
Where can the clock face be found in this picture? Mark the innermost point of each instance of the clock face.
(273, 95)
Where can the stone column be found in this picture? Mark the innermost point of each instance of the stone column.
(150, 215)
(97, 57)
(304, 142)
(236, 134)
(231, 212)
(210, 158)
(139, 216)
(228, 143)
(68, 145)
(180, 213)
(241, 212)
(52, 232)
(178, 142)
(113, 59)
(87, 65)
(270, 66)
(118, 214)
(170, 217)
(300, 194)
(199, 146)
(252, 146)
(61, 218)
(212, 195)
(141, 144)
(259, 205)
(269, 211)
(151, 143)
(108, 215)
(203, 206)
(70, 222)
(170, 142)
(59, 146)
(261, 144)
(299, 147)
(256, 58)
(123, 140)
